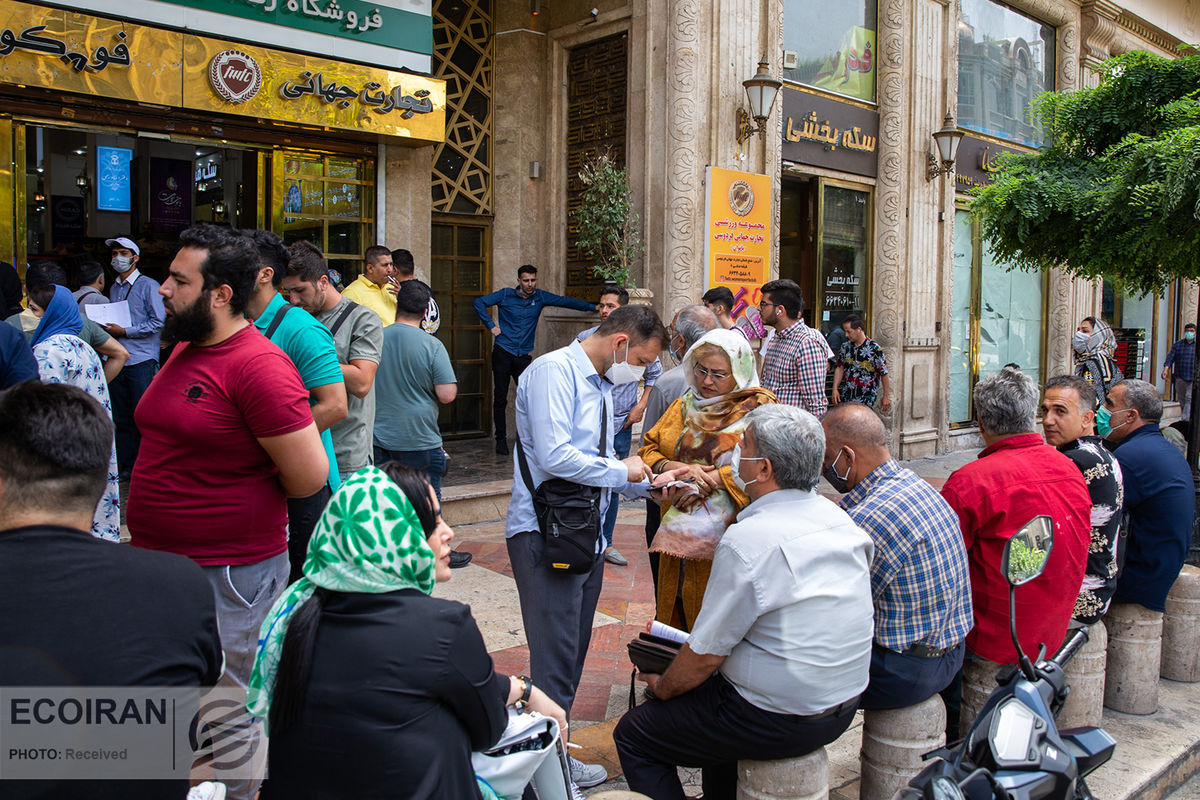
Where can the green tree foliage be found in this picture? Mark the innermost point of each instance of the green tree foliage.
(1116, 193)
(609, 229)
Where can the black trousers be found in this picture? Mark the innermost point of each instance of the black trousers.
(303, 513)
(712, 727)
(504, 366)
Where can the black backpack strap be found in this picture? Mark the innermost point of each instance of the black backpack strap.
(604, 427)
(278, 319)
(337, 323)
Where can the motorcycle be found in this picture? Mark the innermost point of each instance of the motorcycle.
(1013, 750)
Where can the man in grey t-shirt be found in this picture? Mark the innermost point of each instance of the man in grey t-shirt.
(358, 339)
(415, 376)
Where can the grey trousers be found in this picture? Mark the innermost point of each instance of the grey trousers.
(1183, 393)
(244, 594)
(557, 611)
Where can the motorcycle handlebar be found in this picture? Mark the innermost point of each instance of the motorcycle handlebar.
(1069, 649)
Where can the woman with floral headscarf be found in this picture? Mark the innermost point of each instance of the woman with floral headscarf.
(1094, 345)
(370, 687)
(699, 431)
(62, 357)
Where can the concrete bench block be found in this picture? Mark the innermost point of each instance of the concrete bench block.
(1085, 676)
(803, 778)
(1181, 628)
(893, 743)
(979, 681)
(1134, 655)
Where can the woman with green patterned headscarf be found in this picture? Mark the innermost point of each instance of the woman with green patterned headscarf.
(370, 686)
(699, 431)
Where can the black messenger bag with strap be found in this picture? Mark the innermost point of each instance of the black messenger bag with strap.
(568, 514)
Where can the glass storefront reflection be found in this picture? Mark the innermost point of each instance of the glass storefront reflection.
(1005, 60)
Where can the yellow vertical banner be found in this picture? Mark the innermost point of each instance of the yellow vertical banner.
(737, 241)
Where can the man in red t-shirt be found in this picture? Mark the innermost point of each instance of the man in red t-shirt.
(1017, 477)
(227, 437)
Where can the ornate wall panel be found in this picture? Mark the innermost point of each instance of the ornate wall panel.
(685, 109)
(597, 88)
(463, 56)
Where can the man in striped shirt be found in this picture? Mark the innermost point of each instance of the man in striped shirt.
(797, 357)
(920, 582)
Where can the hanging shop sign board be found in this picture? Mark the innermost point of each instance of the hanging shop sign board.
(113, 181)
(823, 132)
(71, 52)
(738, 236)
(976, 161)
(396, 34)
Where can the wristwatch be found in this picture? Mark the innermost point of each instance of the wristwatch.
(526, 691)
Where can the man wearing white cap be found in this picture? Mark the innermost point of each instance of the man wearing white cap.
(141, 339)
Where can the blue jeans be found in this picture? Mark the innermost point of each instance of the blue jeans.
(431, 462)
(621, 443)
(124, 392)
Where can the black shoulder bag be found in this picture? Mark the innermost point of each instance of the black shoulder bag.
(568, 513)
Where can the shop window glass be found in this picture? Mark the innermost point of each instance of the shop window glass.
(1005, 60)
(832, 44)
(329, 201)
(845, 254)
(997, 318)
(459, 274)
(962, 368)
(1132, 319)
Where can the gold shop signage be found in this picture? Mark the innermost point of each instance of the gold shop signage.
(66, 51)
(823, 132)
(976, 161)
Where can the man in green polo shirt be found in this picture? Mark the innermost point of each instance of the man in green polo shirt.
(309, 345)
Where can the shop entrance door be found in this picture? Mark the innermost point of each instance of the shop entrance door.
(460, 272)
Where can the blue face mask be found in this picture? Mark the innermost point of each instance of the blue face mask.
(1104, 421)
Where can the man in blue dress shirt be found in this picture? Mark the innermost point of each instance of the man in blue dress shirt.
(1159, 497)
(141, 339)
(518, 310)
(560, 404)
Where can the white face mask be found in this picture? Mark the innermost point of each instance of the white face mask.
(1079, 341)
(735, 465)
(624, 372)
(122, 263)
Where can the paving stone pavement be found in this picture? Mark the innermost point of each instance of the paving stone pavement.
(1155, 754)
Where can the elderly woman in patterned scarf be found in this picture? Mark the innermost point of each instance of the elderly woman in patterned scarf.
(699, 431)
(366, 681)
(1094, 345)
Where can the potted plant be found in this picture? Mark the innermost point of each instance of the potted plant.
(609, 228)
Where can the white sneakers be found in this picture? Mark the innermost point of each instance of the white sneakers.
(587, 775)
(208, 790)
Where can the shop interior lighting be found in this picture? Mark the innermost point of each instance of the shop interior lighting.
(761, 91)
(947, 140)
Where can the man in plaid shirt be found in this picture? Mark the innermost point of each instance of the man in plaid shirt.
(920, 581)
(797, 357)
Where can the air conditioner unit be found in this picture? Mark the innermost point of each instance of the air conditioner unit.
(789, 59)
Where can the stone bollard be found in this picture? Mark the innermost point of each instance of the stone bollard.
(979, 681)
(1181, 628)
(1085, 676)
(893, 742)
(803, 778)
(1134, 652)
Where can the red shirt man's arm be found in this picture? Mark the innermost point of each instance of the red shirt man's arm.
(274, 403)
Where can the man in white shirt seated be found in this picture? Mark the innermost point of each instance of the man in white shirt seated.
(786, 624)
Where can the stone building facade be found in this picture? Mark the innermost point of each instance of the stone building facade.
(684, 64)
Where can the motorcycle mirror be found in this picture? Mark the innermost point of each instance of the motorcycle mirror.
(943, 788)
(1026, 553)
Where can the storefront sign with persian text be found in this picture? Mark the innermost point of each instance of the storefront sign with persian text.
(976, 160)
(70, 52)
(738, 236)
(823, 132)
